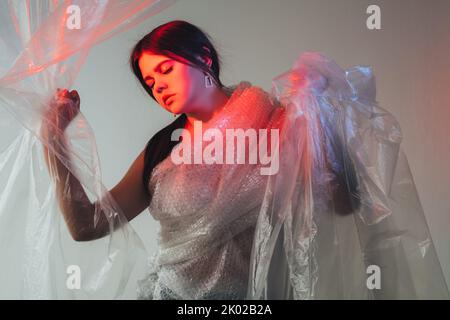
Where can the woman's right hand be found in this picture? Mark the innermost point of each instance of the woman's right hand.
(62, 109)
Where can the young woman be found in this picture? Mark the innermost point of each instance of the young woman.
(227, 230)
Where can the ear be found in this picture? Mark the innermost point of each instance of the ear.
(205, 58)
(208, 61)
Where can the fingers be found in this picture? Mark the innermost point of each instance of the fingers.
(72, 95)
(76, 99)
(65, 92)
(63, 108)
(61, 91)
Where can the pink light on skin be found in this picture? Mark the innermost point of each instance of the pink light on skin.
(187, 85)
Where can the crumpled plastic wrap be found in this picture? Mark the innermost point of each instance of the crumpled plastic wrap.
(40, 52)
(343, 203)
(207, 210)
(338, 218)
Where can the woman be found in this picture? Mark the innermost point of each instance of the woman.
(179, 68)
(228, 231)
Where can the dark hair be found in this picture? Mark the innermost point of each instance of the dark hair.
(183, 42)
(159, 147)
(177, 39)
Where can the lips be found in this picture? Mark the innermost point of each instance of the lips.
(166, 97)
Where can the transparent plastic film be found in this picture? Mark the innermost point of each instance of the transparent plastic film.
(51, 190)
(207, 228)
(342, 218)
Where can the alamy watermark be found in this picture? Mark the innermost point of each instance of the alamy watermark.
(374, 279)
(73, 20)
(73, 14)
(373, 21)
(241, 146)
(73, 281)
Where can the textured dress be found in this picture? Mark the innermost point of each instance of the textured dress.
(207, 212)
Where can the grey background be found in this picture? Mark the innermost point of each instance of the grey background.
(259, 39)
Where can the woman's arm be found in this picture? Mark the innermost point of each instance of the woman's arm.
(77, 209)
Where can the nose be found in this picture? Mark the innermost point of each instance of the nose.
(160, 87)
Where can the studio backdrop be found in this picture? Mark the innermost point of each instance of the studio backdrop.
(388, 89)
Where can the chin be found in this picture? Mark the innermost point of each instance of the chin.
(176, 108)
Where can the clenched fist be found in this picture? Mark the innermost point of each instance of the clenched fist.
(62, 109)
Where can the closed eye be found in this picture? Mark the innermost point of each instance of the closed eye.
(168, 70)
(164, 72)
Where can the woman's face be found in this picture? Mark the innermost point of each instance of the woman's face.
(176, 86)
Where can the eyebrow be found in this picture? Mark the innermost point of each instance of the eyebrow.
(156, 68)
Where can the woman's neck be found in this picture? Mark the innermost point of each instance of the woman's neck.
(215, 100)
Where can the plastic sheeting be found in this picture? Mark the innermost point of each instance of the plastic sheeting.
(338, 218)
(43, 49)
(342, 218)
(342, 202)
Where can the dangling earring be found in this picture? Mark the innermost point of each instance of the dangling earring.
(208, 82)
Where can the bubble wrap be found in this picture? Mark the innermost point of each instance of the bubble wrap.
(207, 212)
(342, 204)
